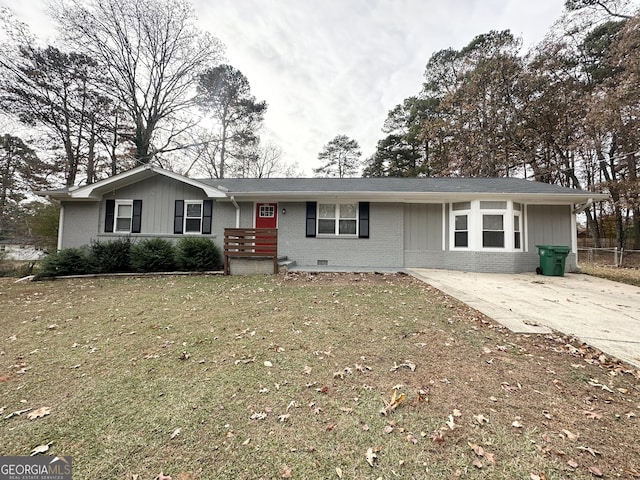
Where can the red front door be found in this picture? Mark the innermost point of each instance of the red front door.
(266, 215)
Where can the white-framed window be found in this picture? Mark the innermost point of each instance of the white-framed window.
(338, 219)
(193, 216)
(461, 211)
(267, 211)
(486, 225)
(123, 215)
(517, 226)
(492, 231)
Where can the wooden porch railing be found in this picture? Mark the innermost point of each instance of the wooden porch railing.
(250, 243)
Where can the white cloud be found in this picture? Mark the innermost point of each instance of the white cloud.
(338, 66)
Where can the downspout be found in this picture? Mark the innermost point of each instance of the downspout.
(574, 226)
(235, 204)
(60, 227)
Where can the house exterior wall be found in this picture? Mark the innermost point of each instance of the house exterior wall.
(382, 249)
(79, 223)
(423, 247)
(550, 225)
(158, 195)
(423, 239)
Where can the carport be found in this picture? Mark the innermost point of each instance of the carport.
(602, 313)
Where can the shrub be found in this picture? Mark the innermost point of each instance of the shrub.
(111, 256)
(197, 254)
(69, 261)
(153, 255)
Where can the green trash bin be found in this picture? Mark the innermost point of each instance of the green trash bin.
(552, 259)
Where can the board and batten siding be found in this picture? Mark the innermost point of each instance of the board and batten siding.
(423, 235)
(79, 223)
(550, 225)
(158, 195)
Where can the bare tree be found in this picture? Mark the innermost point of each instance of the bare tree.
(152, 53)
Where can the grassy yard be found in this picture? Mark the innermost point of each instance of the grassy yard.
(211, 377)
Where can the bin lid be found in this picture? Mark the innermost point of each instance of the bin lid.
(555, 248)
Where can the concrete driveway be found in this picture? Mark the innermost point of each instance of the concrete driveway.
(601, 313)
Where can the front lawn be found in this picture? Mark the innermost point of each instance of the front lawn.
(285, 376)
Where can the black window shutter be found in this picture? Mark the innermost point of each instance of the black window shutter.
(136, 220)
(207, 213)
(178, 217)
(311, 218)
(363, 231)
(108, 215)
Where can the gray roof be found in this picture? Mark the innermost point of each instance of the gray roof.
(390, 185)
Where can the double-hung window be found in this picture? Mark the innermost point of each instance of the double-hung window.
(493, 231)
(493, 224)
(123, 216)
(192, 216)
(338, 219)
(461, 224)
(517, 237)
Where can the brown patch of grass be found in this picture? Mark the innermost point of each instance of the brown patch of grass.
(123, 363)
(626, 275)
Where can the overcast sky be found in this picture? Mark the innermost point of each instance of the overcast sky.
(328, 67)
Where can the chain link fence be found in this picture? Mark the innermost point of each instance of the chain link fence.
(616, 257)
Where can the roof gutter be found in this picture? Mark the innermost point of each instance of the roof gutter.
(582, 207)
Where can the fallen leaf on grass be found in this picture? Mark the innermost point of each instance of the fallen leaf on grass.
(437, 437)
(372, 455)
(39, 413)
(450, 423)
(286, 472)
(407, 363)
(339, 472)
(595, 471)
(594, 383)
(535, 476)
(267, 363)
(244, 361)
(17, 412)
(590, 450)
(481, 452)
(481, 419)
(40, 449)
(572, 463)
(396, 400)
(362, 368)
(570, 436)
(593, 415)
